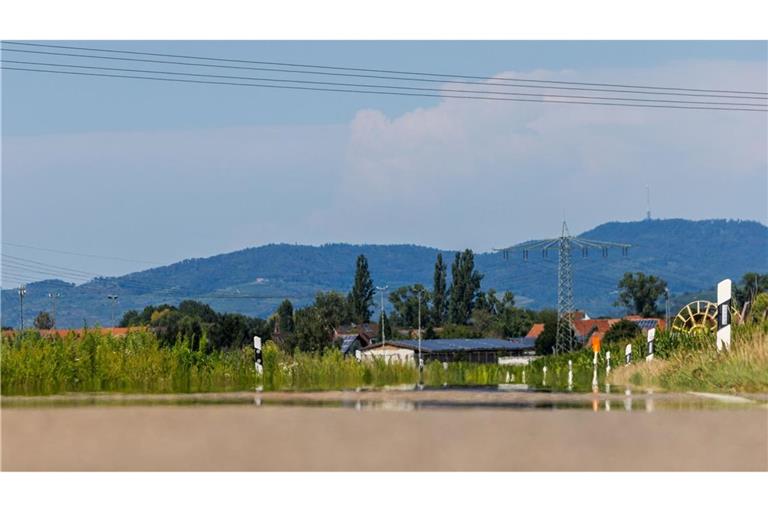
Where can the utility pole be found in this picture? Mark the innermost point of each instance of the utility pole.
(22, 293)
(53, 296)
(383, 336)
(113, 298)
(420, 360)
(564, 244)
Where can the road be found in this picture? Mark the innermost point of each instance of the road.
(286, 438)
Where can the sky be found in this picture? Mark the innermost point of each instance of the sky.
(157, 172)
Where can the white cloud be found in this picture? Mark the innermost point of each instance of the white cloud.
(460, 174)
(501, 170)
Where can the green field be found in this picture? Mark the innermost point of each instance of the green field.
(139, 363)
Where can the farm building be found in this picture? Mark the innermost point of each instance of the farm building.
(482, 350)
(354, 337)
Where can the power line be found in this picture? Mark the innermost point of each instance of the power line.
(80, 254)
(389, 93)
(369, 85)
(47, 265)
(389, 78)
(388, 71)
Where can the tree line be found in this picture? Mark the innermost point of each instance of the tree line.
(451, 308)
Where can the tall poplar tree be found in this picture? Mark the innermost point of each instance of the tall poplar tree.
(439, 302)
(464, 288)
(361, 296)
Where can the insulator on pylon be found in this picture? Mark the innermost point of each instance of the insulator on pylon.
(544, 253)
(605, 252)
(525, 254)
(584, 252)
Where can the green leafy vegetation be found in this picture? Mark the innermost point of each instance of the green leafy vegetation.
(141, 363)
(682, 362)
(137, 363)
(639, 293)
(695, 365)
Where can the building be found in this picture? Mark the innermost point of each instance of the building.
(482, 350)
(585, 327)
(355, 337)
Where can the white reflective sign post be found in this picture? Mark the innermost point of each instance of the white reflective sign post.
(724, 315)
(628, 354)
(259, 363)
(651, 338)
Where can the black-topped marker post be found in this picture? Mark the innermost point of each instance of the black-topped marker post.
(724, 315)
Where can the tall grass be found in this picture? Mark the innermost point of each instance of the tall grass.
(699, 367)
(681, 362)
(138, 363)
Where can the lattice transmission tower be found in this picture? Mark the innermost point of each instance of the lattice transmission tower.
(564, 244)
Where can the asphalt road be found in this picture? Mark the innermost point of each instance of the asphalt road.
(280, 438)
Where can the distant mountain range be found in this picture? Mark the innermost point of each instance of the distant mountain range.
(689, 255)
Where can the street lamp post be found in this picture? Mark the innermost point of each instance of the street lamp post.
(421, 361)
(113, 298)
(381, 289)
(53, 296)
(22, 293)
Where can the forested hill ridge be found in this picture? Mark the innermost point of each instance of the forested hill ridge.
(689, 255)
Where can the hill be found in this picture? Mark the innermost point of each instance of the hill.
(690, 255)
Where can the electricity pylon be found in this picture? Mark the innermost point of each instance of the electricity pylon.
(564, 244)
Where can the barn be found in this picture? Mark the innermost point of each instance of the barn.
(480, 350)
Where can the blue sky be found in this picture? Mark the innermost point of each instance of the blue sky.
(162, 172)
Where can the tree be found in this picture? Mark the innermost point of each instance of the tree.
(285, 321)
(439, 302)
(545, 343)
(312, 332)
(759, 307)
(622, 330)
(405, 301)
(361, 296)
(464, 287)
(333, 308)
(43, 320)
(752, 284)
(639, 293)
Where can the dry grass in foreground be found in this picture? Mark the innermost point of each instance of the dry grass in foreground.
(742, 369)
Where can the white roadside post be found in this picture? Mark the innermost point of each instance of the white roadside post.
(523, 375)
(570, 375)
(259, 363)
(544, 378)
(651, 337)
(724, 315)
(594, 372)
(628, 354)
(445, 379)
(608, 364)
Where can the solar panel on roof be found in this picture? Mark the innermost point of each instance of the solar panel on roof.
(459, 345)
(647, 323)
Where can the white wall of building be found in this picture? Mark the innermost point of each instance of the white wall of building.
(390, 354)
